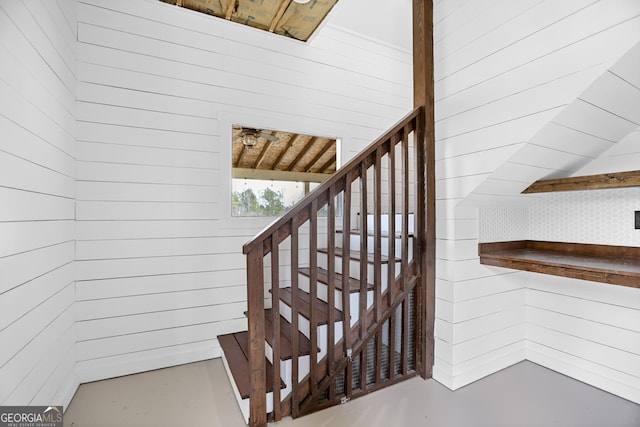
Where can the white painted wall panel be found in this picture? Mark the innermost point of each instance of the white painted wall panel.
(503, 71)
(37, 208)
(587, 330)
(584, 329)
(160, 270)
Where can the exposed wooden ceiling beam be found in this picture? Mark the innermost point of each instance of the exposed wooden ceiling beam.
(245, 173)
(321, 153)
(232, 6)
(586, 182)
(244, 150)
(327, 165)
(276, 20)
(284, 151)
(302, 153)
(263, 153)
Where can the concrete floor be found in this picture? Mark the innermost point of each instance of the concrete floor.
(199, 394)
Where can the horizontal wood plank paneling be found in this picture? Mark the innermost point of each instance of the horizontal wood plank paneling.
(37, 209)
(590, 326)
(160, 270)
(504, 71)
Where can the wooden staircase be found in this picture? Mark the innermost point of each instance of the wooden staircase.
(334, 315)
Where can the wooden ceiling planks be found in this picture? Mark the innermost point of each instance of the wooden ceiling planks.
(294, 153)
(283, 17)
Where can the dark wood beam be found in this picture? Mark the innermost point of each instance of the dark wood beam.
(586, 182)
(423, 95)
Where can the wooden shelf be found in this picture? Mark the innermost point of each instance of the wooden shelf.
(587, 182)
(616, 265)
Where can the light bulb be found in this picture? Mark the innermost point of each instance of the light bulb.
(249, 140)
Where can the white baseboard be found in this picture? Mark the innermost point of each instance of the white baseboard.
(455, 377)
(604, 378)
(117, 366)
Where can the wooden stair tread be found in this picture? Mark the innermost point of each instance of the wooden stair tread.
(304, 308)
(355, 255)
(286, 336)
(323, 277)
(235, 347)
(371, 234)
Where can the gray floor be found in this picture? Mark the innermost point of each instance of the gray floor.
(199, 394)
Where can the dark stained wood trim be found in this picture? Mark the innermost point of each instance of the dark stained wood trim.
(323, 275)
(273, 327)
(235, 347)
(615, 265)
(304, 307)
(257, 365)
(423, 96)
(356, 255)
(586, 182)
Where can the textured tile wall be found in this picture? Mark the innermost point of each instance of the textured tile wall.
(596, 216)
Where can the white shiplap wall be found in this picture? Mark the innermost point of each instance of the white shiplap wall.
(504, 69)
(160, 269)
(583, 329)
(37, 202)
(589, 331)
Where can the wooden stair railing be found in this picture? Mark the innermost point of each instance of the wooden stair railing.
(361, 347)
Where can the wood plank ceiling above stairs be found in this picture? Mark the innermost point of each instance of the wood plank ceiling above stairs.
(287, 18)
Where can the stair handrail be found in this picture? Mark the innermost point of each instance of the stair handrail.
(338, 175)
(280, 229)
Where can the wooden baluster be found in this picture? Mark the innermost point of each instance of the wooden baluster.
(391, 278)
(405, 336)
(392, 346)
(295, 401)
(364, 234)
(406, 188)
(346, 271)
(257, 365)
(377, 257)
(275, 311)
(331, 286)
(420, 249)
(313, 290)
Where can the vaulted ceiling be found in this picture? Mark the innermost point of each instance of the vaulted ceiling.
(603, 120)
(288, 18)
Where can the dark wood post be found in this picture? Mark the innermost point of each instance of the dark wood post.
(257, 364)
(426, 223)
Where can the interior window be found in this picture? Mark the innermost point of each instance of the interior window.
(272, 170)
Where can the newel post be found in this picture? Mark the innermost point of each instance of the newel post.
(257, 365)
(423, 96)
